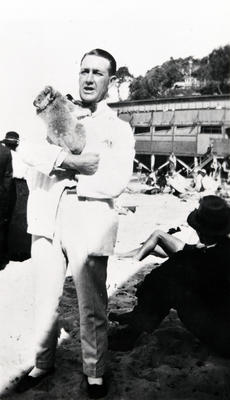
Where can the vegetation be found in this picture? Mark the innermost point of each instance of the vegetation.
(122, 74)
(179, 77)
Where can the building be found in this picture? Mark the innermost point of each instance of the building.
(187, 126)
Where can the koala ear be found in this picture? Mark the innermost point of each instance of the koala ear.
(49, 90)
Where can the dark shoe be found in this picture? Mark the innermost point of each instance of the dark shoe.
(28, 382)
(96, 391)
(123, 339)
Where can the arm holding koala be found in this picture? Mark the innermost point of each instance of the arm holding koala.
(51, 154)
(45, 157)
(85, 164)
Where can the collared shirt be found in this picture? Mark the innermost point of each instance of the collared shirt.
(107, 135)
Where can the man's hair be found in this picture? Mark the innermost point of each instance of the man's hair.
(104, 54)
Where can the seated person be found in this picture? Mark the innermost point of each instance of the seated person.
(215, 167)
(161, 177)
(198, 180)
(194, 281)
(226, 169)
(151, 179)
(172, 160)
(159, 243)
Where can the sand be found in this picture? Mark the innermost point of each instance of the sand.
(167, 364)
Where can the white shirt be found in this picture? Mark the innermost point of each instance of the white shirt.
(19, 167)
(106, 134)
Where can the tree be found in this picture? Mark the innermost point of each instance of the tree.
(123, 73)
(219, 66)
(202, 72)
(124, 78)
(139, 89)
(157, 81)
(211, 72)
(214, 71)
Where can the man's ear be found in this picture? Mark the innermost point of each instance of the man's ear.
(112, 80)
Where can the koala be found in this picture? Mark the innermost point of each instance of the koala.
(61, 116)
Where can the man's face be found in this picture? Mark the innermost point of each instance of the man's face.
(94, 78)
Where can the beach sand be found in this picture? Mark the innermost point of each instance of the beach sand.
(167, 364)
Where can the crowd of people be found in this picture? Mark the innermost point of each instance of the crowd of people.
(72, 222)
(215, 176)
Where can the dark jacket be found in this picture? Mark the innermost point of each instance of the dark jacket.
(203, 272)
(6, 180)
(206, 271)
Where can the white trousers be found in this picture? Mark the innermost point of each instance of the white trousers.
(89, 275)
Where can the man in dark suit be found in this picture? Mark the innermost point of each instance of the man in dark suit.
(18, 240)
(195, 281)
(5, 196)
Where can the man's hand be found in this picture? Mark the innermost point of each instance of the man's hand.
(85, 164)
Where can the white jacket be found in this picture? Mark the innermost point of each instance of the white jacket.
(107, 135)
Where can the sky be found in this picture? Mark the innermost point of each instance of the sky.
(42, 42)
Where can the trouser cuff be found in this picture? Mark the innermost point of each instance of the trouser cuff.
(94, 372)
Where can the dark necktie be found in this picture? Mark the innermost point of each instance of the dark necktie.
(91, 107)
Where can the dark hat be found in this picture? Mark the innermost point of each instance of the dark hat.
(212, 217)
(11, 137)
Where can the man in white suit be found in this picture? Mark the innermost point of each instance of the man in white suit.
(77, 223)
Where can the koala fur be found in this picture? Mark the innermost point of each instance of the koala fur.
(61, 117)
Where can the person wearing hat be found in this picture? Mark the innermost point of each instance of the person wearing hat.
(194, 281)
(11, 140)
(18, 240)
